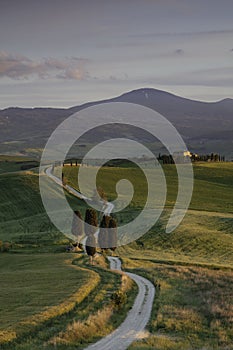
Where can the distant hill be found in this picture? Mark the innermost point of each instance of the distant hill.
(205, 126)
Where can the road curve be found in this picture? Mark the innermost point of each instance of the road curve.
(139, 315)
(48, 171)
(108, 206)
(136, 319)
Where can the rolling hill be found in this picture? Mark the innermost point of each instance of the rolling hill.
(205, 127)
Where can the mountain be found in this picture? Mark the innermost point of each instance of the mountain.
(205, 126)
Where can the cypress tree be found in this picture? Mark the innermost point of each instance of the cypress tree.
(91, 224)
(91, 247)
(77, 224)
(103, 233)
(112, 239)
(91, 221)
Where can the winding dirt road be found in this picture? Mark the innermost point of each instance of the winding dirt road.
(137, 318)
(108, 206)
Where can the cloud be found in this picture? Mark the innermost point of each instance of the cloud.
(16, 66)
(179, 52)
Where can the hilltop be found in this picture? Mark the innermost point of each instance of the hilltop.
(205, 126)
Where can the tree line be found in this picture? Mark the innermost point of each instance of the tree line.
(107, 236)
(169, 159)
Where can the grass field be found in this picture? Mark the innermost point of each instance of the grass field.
(34, 284)
(45, 313)
(213, 185)
(193, 265)
(14, 163)
(192, 309)
(205, 236)
(49, 289)
(23, 220)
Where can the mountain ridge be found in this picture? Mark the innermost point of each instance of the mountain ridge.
(227, 99)
(205, 126)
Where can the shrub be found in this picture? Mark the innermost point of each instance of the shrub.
(119, 298)
(6, 247)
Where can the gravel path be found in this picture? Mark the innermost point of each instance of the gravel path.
(137, 318)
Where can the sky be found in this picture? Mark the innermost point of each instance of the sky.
(61, 53)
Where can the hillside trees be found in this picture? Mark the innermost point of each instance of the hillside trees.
(91, 221)
(107, 237)
(91, 248)
(112, 239)
(108, 233)
(77, 225)
(103, 233)
(90, 226)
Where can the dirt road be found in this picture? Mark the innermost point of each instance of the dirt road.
(137, 318)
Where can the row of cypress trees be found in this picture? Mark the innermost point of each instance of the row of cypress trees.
(107, 238)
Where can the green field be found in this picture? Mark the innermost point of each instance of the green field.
(213, 185)
(192, 308)
(193, 265)
(14, 163)
(33, 283)
(205, 234)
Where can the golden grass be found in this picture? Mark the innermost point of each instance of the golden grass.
(160, 342)
(193, 308)
(7, 336)
(69, 303)
(29, 323)
(94, 326)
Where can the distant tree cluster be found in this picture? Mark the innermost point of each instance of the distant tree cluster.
(71, 162)
(182, 158)
(107, 236)
(213, 157)
(165, 159)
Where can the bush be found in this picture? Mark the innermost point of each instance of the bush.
(5, 247)
(119, 298)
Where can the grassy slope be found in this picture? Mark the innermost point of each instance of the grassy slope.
(14, 163)
(39, 279)
(206, 233)
(30, 283)
(213, 186)
(204, 237)
(193, 308)
(82, 307)
(22, 216)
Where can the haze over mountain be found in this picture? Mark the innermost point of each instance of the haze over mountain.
(205, 126)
